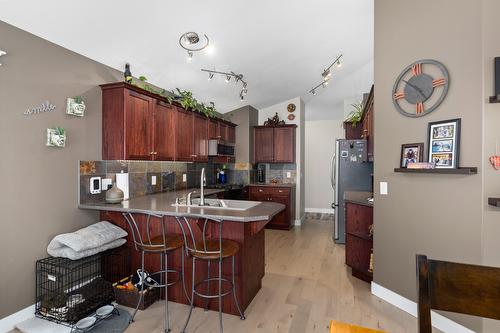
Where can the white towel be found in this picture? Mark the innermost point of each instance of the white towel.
(87, 241)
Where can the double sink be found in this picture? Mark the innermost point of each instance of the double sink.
(220, 204)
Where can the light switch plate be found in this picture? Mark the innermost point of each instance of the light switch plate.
(184, 177)
(95, 185)
(106, 183)
(153, 180)
(383, 188)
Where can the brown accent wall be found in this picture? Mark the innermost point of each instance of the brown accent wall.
(437, 215)
(38, 197)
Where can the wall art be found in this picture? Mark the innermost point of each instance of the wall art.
(44, 107)
(291, 107)
(444, 143)
(75, 106)
(56, 137)
(2, 53)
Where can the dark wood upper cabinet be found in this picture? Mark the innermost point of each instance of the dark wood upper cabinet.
(274, 144)
(140, 125)
(367, 125)
(184, 136)
(263, 142)
(223, 131)
(213, 129)
(164, 131)
(200, 138)
(139, 111)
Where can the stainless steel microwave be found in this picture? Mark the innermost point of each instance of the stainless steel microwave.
(220, 148)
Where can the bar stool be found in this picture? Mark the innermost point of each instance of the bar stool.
(212, 249)
(162, 244)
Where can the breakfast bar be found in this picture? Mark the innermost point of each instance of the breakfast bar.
(242, 225)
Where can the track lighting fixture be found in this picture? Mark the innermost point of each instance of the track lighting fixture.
(228, 76)
(327, 75)
(190, 41)
(2, 53)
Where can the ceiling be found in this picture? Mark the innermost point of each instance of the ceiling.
(280, 46)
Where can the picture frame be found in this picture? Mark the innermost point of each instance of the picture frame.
(443, 142)
(411, 152)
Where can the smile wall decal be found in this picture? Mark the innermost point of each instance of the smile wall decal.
(44, 107)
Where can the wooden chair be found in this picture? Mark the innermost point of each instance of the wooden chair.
(454, 287)
(339, 327)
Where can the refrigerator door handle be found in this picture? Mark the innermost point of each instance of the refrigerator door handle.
(332, 172)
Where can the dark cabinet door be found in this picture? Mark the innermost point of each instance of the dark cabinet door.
(284, 144)
(231, 134)
(263, 144)
(184, 135)
(282, 219)
(138, 121)
(213, 129)
(200, 138)
(223, 131)
(164, 132)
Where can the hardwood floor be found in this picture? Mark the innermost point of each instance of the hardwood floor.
(305, 286)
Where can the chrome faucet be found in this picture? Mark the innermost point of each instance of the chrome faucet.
(202, 185)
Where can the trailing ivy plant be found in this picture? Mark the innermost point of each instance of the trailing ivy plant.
(354, 117)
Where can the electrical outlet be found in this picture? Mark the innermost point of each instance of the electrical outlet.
(184, 178)
(106, 183)
(288, 174)
(153, 180)
(383, 188)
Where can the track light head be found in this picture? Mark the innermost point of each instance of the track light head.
(326, 74)
(228, 78)
(190, 56)
(210, 76)
(313, 92)
(339, 64)
(325, 83)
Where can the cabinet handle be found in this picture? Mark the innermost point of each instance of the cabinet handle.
(194, 155)
(280, 191)
(260, 191)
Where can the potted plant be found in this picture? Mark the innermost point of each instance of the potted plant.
(56, 137)
(75, 106)
(352, 124)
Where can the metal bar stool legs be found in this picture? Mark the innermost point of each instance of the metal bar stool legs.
(163, 245)
(210, 250)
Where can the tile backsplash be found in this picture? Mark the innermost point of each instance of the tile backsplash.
(169, 175)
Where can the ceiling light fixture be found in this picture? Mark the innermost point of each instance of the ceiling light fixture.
(190, 41)
(2, 53)
(229, 75)
(327, 75)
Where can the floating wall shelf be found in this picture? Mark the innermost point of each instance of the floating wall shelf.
(494, 99)
(494, 202)
(457, 171)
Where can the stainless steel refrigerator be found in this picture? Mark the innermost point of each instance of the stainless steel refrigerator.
(351, 171)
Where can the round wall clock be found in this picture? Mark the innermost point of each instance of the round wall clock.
(420, 88)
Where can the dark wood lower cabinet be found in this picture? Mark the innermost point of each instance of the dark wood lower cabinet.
(249, 260)
(283, 195)
(359, 242)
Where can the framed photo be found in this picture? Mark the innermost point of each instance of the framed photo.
(444, 143)
(411, 153)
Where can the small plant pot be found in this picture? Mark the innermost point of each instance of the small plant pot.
(353, 132)
(75, 109)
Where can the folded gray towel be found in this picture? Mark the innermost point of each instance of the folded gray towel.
(87, 241)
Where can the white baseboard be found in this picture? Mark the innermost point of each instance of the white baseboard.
(8, 323)
(438, 321)
(320, 210)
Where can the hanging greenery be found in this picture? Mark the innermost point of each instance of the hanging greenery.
(355, 115)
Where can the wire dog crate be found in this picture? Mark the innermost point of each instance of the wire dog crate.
(69, 290)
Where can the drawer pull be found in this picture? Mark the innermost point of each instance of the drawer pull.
(261, 191)
(280, 191)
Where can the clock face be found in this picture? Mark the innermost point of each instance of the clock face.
(420, 88)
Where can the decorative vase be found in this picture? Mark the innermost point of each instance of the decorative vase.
(114, 194)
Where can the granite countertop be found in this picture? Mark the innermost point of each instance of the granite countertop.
(161, 204)
(358, 197)
(272, 184)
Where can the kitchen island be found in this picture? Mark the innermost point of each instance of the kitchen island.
(246, 227)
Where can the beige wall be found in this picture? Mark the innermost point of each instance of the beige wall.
(39, 184)
(437, 215)
(281, 109)
(320, 138)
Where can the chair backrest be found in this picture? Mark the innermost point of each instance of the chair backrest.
(455, 287)
(207, 237)
(143, 238)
